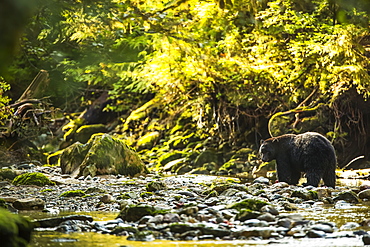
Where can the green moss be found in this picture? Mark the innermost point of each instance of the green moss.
(84, 132)
(170, 156)
(72, 193)
(33, 178)
(148, 140)
(248, 204)
(3, 203)
(15, 230)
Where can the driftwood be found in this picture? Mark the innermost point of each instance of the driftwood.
(37, 86)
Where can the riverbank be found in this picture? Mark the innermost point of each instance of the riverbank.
(191, 208)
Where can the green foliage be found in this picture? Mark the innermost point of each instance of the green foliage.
(5, 112)
(222, 64)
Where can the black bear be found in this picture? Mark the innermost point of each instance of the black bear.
(310, 153)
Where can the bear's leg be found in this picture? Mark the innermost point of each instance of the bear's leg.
(313, 178)
(295, 177)
(283, 171)
(329, 178)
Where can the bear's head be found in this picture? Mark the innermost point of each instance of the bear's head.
(267, 151)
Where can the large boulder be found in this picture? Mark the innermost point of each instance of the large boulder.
(102, 154)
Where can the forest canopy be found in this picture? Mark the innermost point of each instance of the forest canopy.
(227, 66)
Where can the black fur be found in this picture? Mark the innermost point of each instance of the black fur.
(310, 153)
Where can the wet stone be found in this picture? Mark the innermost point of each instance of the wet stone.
(171, 218)
(348, 196)
(365, 194)
(316, 234)
(366, 239)
(29, 204)
(267, 217)
(349, 226)
(322, 227)
(262, 180)
(270, 209)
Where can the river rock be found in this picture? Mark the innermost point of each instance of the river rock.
(366, 239)
(102, 154)
(144, 236)
(316, 234)
(155, 186)
(107, 198)
(263, 232)
(349, 226)
(365, 194)
(322, 227)
(171, 218)
(304, 194)
(348, 196)
(136, 212)
(323, 192)
(29, 204)
(269, 209)
(262, 180)
(53, 222)
(267, 217)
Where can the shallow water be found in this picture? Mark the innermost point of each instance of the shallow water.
(340, 214)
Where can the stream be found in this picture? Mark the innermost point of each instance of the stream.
(340, 214)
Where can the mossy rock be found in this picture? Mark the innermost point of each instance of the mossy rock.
(174, 164)
(148, 140)
(71, 158)
(15, 230)
(8, 174)
(93, 190)
(32, 178)
(208, 156)
(72, 193)
(118, 229)
(155, 186)
(84, 133)
(136, 212)
(248, 204)
(242, 153)
(305, 194)
(129, 195)
(103, 154)
(183, 168)
(199, 171)
(233, 166)
(180, 142)
(247, 214)
(170, 156)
